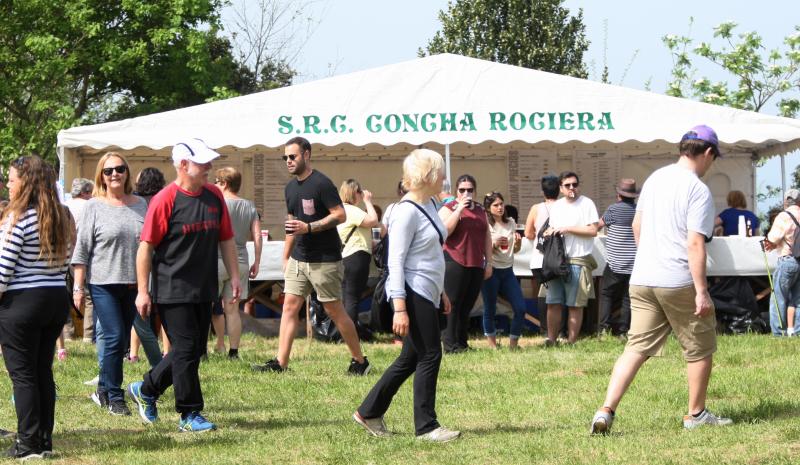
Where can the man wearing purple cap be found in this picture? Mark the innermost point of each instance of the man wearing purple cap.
(669, 292)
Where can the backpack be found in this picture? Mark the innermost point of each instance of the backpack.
(796, 243)
(382, 313)
(555, 263)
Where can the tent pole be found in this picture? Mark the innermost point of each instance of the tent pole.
(447, 161)
(783, 176)
(754, 167)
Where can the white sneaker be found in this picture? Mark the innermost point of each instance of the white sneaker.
(93, 382)
(601, 423)
(705, 418)
(375, 426)
(440, 434)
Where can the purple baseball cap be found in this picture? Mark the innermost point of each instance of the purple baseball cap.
(704, 133)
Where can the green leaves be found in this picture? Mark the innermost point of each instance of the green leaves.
(537, 34)
(757, 75)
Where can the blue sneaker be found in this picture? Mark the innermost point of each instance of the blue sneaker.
(195, 422)
(147, 404)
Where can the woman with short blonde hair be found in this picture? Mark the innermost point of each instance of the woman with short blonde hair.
(416, 288)
(728, 219)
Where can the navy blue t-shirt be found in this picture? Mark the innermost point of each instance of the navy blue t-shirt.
(730, 221)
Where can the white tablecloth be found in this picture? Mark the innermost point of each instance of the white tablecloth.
(727, 256)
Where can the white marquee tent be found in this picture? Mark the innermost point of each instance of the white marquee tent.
(502, 114)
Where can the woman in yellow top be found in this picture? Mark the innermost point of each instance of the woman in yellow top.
(356, 236)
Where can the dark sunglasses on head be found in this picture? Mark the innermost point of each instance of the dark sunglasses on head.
(570, 185)
(119, 169)
(464, 190)
(289, 157)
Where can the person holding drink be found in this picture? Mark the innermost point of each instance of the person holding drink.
(468, 260)
(356, 236)
(505, 242)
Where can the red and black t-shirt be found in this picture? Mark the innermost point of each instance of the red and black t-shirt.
(185, 229)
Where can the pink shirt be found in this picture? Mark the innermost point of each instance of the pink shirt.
(782, 231)
(467, 244)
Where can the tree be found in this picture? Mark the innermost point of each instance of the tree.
(759, 75)
(267, 36)
(70, 62)
(538, 34)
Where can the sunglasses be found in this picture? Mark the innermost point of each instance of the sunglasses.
(570, 185)
(464, 190)
(289, 157)
(119, 169)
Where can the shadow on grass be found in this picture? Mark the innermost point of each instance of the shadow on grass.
(281, 423)
(765, 410)
(506, 428)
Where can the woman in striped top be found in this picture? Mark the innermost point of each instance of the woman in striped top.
(35, 237)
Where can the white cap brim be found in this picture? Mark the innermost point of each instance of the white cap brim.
(194, 150)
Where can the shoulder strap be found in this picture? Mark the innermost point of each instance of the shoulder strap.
(792, 217)
(355, 226)
(441, 238)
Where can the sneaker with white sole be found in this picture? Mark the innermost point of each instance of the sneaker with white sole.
(358, 369)
(375, 426)
(147, 407)
(100, 398)
(195, 422)
(440, 434)
(705, 418)
(601, 423)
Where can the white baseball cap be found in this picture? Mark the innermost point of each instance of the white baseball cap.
(194, 150)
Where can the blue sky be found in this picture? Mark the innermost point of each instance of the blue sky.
(352, 35)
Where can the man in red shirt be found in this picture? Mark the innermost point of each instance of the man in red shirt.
(185, 225)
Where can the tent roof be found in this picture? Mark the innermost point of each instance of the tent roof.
(445, 99)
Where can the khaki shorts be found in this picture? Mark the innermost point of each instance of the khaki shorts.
(224, 281)
(655, 311)
(325, 278)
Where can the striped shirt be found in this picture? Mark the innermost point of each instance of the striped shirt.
(20, 265)
(620, 244)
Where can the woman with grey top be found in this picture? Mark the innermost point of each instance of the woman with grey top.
(246, 225)
(416, 288)
(105, 254)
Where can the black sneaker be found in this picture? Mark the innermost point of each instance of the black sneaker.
(233, 354)
(358, 369)
(270, 365)
(100, 398)
(22, 453)
(119, 407)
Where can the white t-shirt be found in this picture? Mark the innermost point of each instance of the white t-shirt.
(673, 202)
(502, 259)
(581, 212)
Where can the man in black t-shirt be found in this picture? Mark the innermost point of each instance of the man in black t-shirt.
(312, 257)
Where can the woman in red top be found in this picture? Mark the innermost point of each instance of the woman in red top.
(468, 260)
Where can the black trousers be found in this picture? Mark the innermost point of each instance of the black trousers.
(421, 353)
(356, 273)
(462, 285)
(613, 290)
(187, 328)
(30, 322)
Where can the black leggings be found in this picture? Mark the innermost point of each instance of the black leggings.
(356, 273)
(30, 322)
(462, 285)
(421, 353)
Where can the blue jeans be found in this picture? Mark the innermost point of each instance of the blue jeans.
(115, 307)
(787, 292)
(505, 283)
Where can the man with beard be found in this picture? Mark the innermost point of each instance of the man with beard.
(312, 256)
(186, 222)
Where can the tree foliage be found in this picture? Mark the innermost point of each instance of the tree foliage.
(72, 62)
(538, 34)
(757, 75)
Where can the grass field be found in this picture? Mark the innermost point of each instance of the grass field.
(531, 406)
